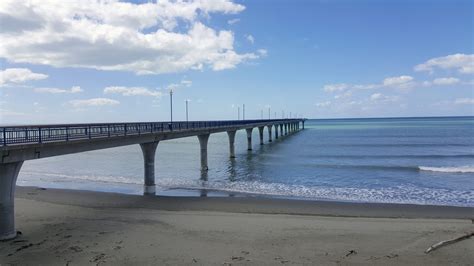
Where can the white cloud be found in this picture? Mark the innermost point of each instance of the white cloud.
(464, 63)
(132, 91)
(347, 94)
(250, 38)
(335, 87)
(400, 82)
(233, 21)
(181, 84)
(379, 97)
(445, 81)
(262, 52)
(149, 38)
(74, 89)
(464, 101)
(93, 102)
(397, 81)
(323, 104)
(18, 75)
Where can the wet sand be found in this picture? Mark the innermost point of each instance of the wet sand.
(62, 227)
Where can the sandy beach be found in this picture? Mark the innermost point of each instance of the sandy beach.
(66, 227)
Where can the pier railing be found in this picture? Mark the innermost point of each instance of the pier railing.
(15, 135)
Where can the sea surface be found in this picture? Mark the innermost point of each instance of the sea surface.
(391, 160)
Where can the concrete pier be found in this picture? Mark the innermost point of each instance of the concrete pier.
(269, 133)
(149, 150)
(203, 139)
(8, 175)
(249, 138)
(231, 135)
(30, 142)
(260, 131)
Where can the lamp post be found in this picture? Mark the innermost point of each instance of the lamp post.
(243, 111)
(269, 111)
(261, 114)
(238, 112)
(187, 117)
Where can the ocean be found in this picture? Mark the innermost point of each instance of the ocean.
(385, 160)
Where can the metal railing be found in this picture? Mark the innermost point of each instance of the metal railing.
(28, 134)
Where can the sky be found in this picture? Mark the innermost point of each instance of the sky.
(111, 61)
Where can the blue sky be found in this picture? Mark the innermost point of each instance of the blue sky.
(87, 62)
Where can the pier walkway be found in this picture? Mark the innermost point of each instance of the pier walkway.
(29, 142)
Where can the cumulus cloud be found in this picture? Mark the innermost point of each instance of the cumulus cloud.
(18, 75)
(464, 101)
(149, 38)
(446, 81)
(74, 89)
(463, 63)
(132, 91)
(93, 102)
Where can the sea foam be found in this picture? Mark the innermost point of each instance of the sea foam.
(459, 169)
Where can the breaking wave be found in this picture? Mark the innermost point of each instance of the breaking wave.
(459, 169)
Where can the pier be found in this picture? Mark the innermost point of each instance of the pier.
(29, 142)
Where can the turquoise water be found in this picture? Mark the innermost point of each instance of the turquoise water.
(396, 160)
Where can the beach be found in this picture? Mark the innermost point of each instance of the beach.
(71, 227)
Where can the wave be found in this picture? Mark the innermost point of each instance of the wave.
(57, 177)
(403, 194)
(459, 169)
(410, 156)
(397, 194)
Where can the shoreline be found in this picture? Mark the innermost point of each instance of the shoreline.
(244, 204)
(70, 227)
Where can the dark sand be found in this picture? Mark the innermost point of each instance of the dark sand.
(79, 227)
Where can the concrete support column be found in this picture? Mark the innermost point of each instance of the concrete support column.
(281, 130)
(286, 129)
(203, 139)
(249, 138)
(276, 131)
(149, 150)
(269, 133)
(8, 175)
(303, 124)
(231, 135)
(260, 131)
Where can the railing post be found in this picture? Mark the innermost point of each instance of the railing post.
(108, 131)
(4, 137)
(39, 135)
(125, 129)
(67, 133)
(90, 136)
